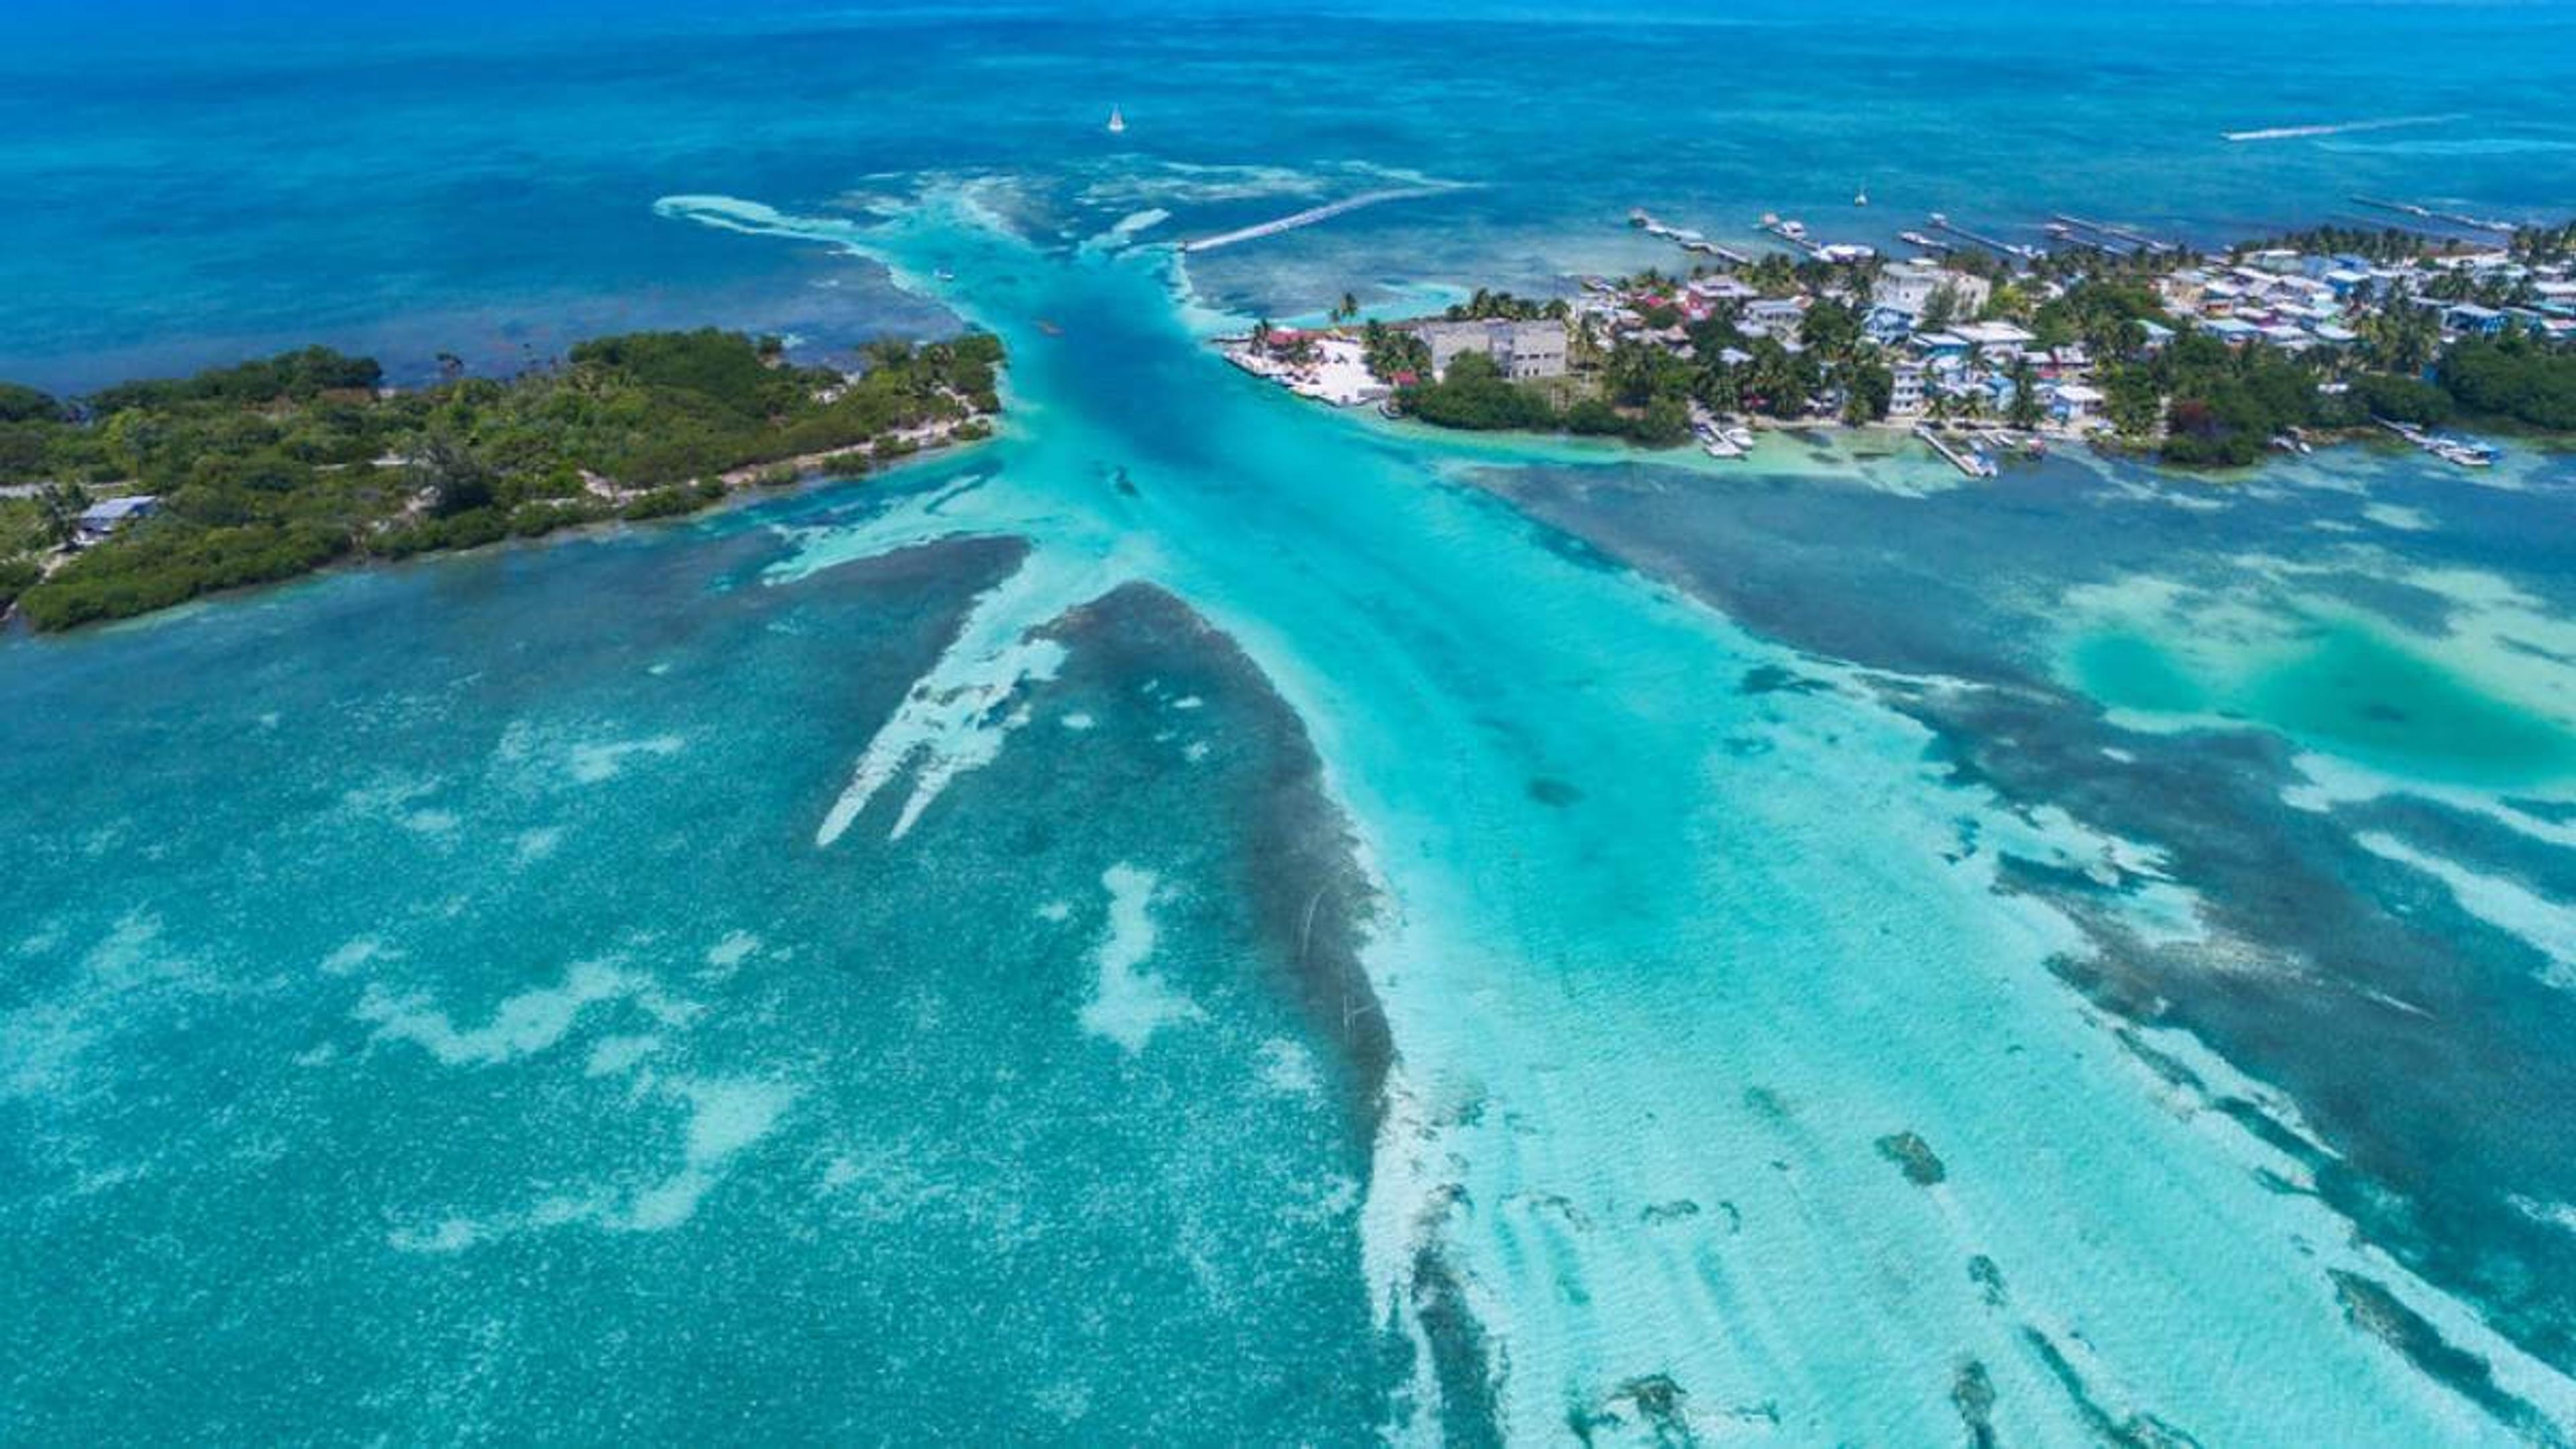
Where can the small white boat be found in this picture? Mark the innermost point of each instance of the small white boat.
(1117, 122)
(1861, 197)
(1740, 437)
(1721, 448)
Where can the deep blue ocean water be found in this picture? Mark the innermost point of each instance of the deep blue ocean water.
(1208, 921)
(189, 182)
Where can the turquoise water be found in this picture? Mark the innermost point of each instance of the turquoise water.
(200, 180)
(2353, 693)
(1206, 920)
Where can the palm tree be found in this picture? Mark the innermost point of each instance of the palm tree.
(1261, 333)
(62, 505)
(1350, 308)
(2024, 411)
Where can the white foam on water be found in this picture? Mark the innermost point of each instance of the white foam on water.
(2338, 128)
(1078, 720)
(1129, 1004)
(1056, 912)
(2398, 516)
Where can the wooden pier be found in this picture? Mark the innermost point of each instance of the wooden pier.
(2127, 235)
(2426, 213)
(1687, 240)
(2000, 248)
(1970, 462)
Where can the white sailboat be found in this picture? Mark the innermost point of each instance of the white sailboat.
(1117, 122)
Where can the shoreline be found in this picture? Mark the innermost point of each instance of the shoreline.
(285, 466)
(2137, 348)
(741, 487)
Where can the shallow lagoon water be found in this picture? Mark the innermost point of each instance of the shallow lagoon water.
(2348, 690)
(1207, 920)
(1712, 1060)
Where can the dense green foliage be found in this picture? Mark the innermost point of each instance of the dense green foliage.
(1476, 395)
(1394, 353)
(297, 377)
(2402, 399)
(26, 405)
(2228, 404)
(1485, 305)
(17, 575)
(274, 468)
(2514, 376)
(2103, 315)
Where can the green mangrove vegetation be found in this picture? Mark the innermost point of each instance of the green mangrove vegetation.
(277, 467)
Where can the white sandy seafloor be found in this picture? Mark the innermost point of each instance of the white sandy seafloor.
(1663, 962)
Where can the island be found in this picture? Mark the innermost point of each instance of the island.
(1981, 347)
(148, 494)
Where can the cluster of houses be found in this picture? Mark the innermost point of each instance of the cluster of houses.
(2299, 301)
(1922, 315)
(1919, 312)
(1946, 357)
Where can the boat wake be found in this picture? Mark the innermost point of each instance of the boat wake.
(2339, 128)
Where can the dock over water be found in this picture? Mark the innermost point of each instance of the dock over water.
(1968, 461)
(1310, 216)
